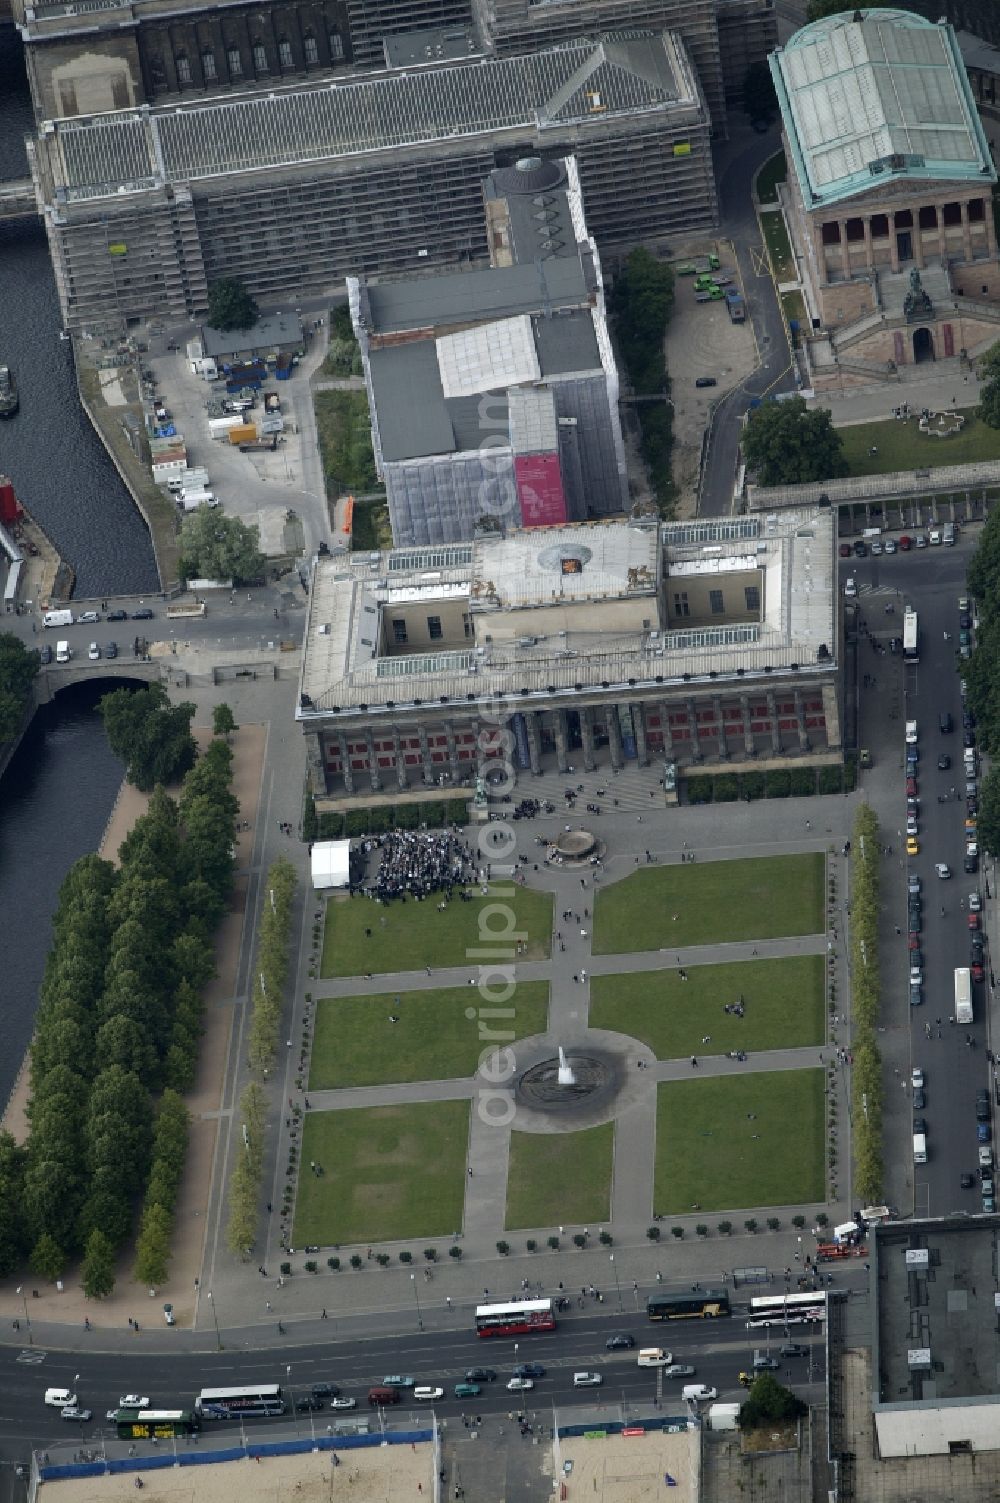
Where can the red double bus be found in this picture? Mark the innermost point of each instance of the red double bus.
(523, 1318)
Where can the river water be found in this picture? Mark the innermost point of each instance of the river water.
(57, 794)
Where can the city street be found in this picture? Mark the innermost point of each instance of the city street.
(931, 581)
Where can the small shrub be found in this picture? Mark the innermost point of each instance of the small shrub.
(725, 1227)
(285, 1269)
(822, 1219)
(802, 781)
(773, 1223)
(312, 1266)
(606, 1239)
(750, 1224)
(799, 1221)
(653, 1233)
(333, 1263)
(382, 1259)
(406, 1257)
(701, 1229)
(699, 790)
(579, 1240)
(677, 1231)
(553, 1242)
(752, 785)
(726, 788)
(454, 1252)
(531, 1245)
(503, 1248)
(777, 783)
(831, 779)
(430, 1253)
(356, 1260)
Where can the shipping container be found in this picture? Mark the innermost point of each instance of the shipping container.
(245, 433)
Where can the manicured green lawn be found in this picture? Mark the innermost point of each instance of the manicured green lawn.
(435, 1039)
(901, 446)
(739, 1141)
(778, 244)
(783, 1000)
(560, 1178)
(389, 1172)
(710, 902)
(773, 171)
(409, 936)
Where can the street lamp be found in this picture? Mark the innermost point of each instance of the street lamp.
(416, 1297)
(215, 1317)
(614, 1270)
(27, 1317)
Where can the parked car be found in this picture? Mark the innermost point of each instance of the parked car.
(983, 1132)
(850, 588)
(912, 845)
(919, 1101)
(111, 649)
(944, 762)
(942, 870)
(970, 863)
(88, 618)
(916, 1077)
(916, 995)
(906, 542)
(93, 652)
(45, 655)
(889, 546)
(143, 615)
(860, 549)
(845, 550)
(706, 381)
(911, 786)
(975, 901)
(116, 616)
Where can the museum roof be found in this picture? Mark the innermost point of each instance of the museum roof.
(545, 572)
(938, 1302)
(628, 74)
(873, 97)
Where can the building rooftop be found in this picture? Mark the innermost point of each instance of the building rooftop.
(938, 1301)
(410, 303)
(591, 612)
(274, 332)
(430, 45)
(873, 97)
(626, 74)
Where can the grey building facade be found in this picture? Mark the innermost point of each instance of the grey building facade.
(294, 190)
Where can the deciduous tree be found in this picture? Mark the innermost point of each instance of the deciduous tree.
(98, 1266)
(219, 547)
(151, 736)
(786, 444)
(230, 305)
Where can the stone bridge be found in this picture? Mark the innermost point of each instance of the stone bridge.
(56, 676)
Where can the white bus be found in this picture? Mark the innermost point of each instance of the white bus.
(963, 994)
(911, 636)
(239, 1403)
(787, 1310)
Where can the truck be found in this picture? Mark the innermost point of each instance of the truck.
(735, 306)
(191, 500)
(724, 1416)
(221, 427)
(187, 480)
(963, 994)
(699, 266)
(919, 1148)
(182, 608)
(57, 618)
(63, 653)
(832, 1252)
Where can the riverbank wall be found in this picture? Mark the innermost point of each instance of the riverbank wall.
(112, 426)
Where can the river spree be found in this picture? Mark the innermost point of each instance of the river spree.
(58, 465)
(57, 794)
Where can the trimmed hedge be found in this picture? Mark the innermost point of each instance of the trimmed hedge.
(379, 819)
(779, 782)
(866, 1074)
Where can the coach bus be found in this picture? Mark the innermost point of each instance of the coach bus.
(158, 1424)
(704, 1303)
(911, 636)
(787, 1310)
(521, 1318)
(240, 1403)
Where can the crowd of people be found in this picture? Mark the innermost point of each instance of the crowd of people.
(418, 864)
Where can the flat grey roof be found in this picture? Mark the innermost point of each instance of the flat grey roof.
(267, 333)
(430, 45)
(567, 343)
(488, 293)
(413, 420)
(937, 1334)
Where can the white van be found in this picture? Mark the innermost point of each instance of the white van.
(60, 1398)
(587, 1380)
(948, 534)
(919, 1148)
(911, 733)
(654, 1356)
(57, 618)
(697, 1393)
(191, 500)
(63, 653)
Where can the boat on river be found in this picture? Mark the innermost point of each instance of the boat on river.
(9, 399)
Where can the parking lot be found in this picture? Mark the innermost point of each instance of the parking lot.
(702, 342)
(282, 492)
